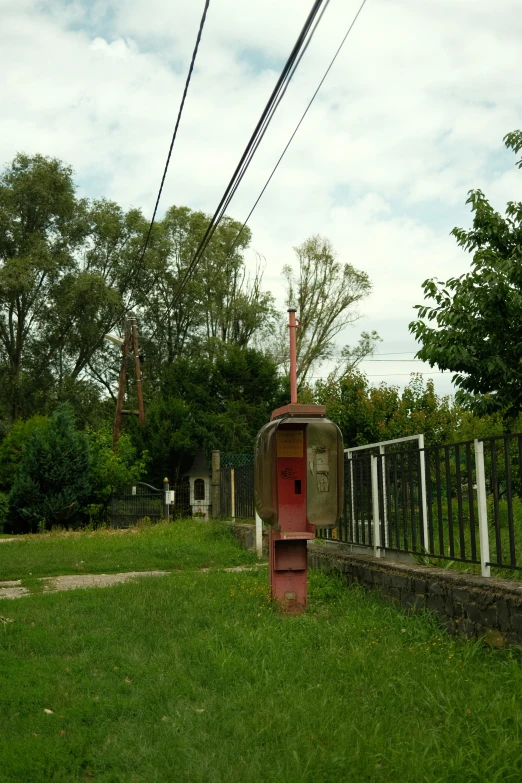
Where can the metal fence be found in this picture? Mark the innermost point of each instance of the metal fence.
(142, 501)
(460, 502)
(237, 486)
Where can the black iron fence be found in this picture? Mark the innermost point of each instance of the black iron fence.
(141, 502)
(460, 502)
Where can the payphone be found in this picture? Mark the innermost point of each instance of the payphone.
(299, 485)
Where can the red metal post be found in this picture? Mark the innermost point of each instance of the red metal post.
(293, 354)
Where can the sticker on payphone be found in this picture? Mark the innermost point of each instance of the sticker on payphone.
(289, 443)
(322, 469)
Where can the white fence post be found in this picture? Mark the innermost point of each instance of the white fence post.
(424, 499)
(375, 508)
(382, 450)
(482, 509)
(232, 493)
(352, 516)
(259, 535)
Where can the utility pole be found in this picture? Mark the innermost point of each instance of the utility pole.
(131, 336)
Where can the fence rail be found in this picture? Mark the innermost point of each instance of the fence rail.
(460, 502)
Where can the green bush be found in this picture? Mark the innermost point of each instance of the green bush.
(12, 447)
(110, 472)
(53, 480)
(4, 507)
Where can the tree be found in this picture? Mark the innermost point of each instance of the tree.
(219, 303)
(69, 270)
(368, 414)
(325, 293)
(474, 326)
(110, 472)
(218, 403)
(12, 446)
(38, 233)
(53, 480)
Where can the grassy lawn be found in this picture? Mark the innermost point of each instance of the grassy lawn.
(164, 547)
(195, 677)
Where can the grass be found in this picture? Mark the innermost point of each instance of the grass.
(164, 547)
(195, 677)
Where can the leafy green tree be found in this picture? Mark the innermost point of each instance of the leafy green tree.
(218, 403)
(39, 231)
(473, 326)
(12, 446)
(368, 414)
(110, 472)
(219, 303)
(325, 292)
(53, 480)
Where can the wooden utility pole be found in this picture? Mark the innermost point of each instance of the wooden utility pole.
(131, 335)
(137, 364)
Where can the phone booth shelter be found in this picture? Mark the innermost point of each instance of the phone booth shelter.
(199, 481)
(299, 484)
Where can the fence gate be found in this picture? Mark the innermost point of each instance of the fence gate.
(136, 502)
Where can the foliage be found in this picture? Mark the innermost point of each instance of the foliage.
(325, 293)
(12, 447)
(110, 472)
(473, 327)
(4, 508)
(53, 479)
(367, 414)
(218, 403)
(219, 302)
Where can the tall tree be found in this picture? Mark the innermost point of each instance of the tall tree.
(326, 293)
(69, 269)
(473, 327)
(39, 231)
(219, 304)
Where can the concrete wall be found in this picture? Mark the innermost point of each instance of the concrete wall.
(470, 605)
(467, 604)
(246, 535)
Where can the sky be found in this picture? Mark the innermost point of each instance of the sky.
(410, 118)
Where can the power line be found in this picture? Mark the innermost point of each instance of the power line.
(253, 143)
(182, 104)
(298, 125)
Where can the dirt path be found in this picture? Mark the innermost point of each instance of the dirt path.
(51, 584)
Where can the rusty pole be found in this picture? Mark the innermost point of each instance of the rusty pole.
(121, 389)
(137, 365)
(293, 325)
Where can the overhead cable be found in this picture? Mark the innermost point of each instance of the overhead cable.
(253, 143)
(180, 111)
(297, 127)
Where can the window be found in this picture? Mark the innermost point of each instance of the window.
(199, 489)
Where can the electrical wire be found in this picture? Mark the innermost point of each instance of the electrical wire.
(234, 243)
(253, 143)
(180, 111)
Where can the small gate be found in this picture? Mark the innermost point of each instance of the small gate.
(137, 502)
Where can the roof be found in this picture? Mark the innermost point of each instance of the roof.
(200, 465)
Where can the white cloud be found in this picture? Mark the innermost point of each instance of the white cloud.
(410, 118)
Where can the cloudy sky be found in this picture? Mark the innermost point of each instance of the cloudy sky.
(410, 118)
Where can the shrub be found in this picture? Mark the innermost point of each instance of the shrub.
(53, 480)
(12, 447)
(111, 472)
(4, 507)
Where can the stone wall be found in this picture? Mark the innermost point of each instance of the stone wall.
(246, 535)
(470, 605)
(474, 606)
